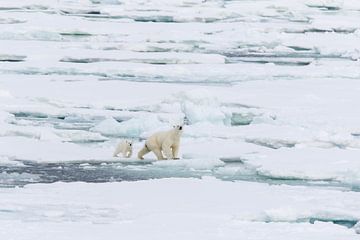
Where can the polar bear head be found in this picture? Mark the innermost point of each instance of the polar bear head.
(128, 143)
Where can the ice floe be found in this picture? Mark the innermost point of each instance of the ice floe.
(225, 209)
(268, 92)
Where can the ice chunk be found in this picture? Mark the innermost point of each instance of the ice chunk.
(195, 163)
(309, 163)
(106, 1)
(51, 151)
(5, 94)
(5, 160)
(357, 227)
(134, 127)
(10, 178)
(11, 58)
(241, 119)
(200, 105)
(5, 117)
(81, 136)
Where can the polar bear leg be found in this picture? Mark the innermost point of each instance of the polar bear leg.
(142, 152)
(167, 151)
(175, 151)
(128, 154)
(158, 154)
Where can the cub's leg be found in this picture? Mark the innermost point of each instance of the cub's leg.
(127, 154)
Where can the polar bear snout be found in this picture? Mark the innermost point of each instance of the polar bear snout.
(180, 128)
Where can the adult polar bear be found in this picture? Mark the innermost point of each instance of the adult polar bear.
(166, 142)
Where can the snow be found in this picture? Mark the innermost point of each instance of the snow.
(130, 128)
(197, 164)
(49, 150)
(268, 93)
(199, 105)
(165, 208)
(310, 163)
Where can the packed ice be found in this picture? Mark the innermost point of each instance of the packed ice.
(267, 91)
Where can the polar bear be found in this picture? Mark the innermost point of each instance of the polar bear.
(124, 147)
(166, 142)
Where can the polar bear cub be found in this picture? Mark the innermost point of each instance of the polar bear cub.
(165, 142)
(124, 147)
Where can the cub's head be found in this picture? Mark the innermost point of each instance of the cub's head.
(178, 127)
(128, 143)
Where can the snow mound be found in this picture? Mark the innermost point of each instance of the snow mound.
(200, 105)
(309, 163)
(134, 127)
(357, 227)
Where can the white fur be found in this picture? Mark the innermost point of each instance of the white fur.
(162, 144)
(124, 147)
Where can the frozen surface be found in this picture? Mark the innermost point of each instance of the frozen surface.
(171, 207)
(268, 91)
